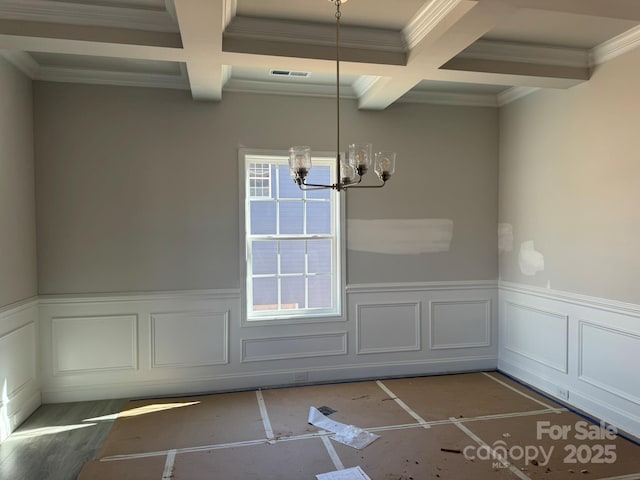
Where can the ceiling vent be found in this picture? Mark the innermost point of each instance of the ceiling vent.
(288, 73)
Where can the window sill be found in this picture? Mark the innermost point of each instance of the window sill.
(297, 320)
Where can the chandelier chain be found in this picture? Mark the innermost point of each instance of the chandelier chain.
(338, 14)
(350, 169)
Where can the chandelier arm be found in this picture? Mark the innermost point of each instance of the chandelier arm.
(355, 185)
(316, 186)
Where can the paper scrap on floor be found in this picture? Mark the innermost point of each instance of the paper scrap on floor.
(355, 473)
(347, 434)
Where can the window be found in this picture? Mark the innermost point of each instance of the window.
(292, 241)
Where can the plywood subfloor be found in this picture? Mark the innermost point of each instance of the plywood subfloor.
(443, 427)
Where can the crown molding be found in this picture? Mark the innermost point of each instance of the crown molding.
(526, 53)
(514, 93)
(287, 88)
(610, 49)
(100, 77)
(430, 15)
(22, 61)
(449, 98)
(309, 33)
(88, 15)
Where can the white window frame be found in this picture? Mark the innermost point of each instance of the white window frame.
(252, 318)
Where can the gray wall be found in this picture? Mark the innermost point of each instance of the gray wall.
(570, 182)
(138, 188)
(17, 199)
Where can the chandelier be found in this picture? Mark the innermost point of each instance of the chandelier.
(349, 171)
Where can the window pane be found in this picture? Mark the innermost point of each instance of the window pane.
(265, 294)
(292, 256)
(265, 259)
(293, 292)
(288, 188)
(319, 217)
(319, 254)
(259, 179)
(320, 291)
(291, 219)
(320, 176)
(263, 217)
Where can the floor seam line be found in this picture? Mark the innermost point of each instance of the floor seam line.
(515, 470)
(168, 465)
(335, 458)
(403, 405)
(504, 384)
(265, 416)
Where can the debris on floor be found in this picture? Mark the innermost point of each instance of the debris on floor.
(361, 397)
(451, 450)
(326, 410)
(355, 473)
(347, 434)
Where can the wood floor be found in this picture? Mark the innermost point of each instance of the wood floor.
(56, 441)
(437, 427)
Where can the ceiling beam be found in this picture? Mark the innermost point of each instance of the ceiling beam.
(30, 36)
(508, 77)
(201, 25)
(66, 46)
(452, 30)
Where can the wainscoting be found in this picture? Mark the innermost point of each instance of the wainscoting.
(189, 342)
(582, 350)
(19, 369)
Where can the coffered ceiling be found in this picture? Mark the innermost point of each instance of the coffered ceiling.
(473, 52)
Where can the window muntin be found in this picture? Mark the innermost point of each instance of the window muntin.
(292, 242)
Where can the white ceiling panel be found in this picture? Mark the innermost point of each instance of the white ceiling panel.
(557, 28)
(393, 14)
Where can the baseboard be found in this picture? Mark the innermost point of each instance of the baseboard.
(626, 423)
(234, 382)
(26, 408)
(14, 416)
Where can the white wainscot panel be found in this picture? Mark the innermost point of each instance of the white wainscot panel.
(608, 360)
(387, 327)
(189, 339)
(538, 335)
(92, 344)
(460, 324)
(17, 360)
(294, 346)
